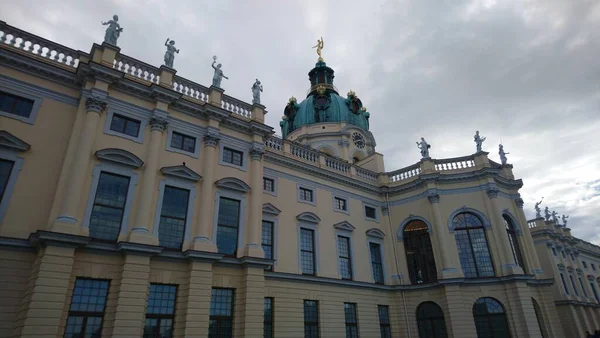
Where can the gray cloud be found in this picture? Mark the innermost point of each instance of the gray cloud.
(522, 71)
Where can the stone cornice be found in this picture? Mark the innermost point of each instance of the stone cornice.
(38, 68)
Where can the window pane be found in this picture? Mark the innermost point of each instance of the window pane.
(344, 257)
(16, 105)
(310, 311)
(227, 240)
(307, 257)
(189, 144)
(229, 212)
(5, 170)
(177, 141)
(109, 205)
(118, 123)
(161, 299)
(268, 184)
(132, 128)
(87, 306)
(370, 212)
(228, 222)
(481, 252)
(221, 302)
(267, 239)
(376, 263)
(173, 217)
(268, 318)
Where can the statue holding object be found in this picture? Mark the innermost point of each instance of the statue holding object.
(218, 76)
(113, 31)
(170, 53)
(502, 154)
(478, 140)
(257, 88)
(538, 211)
(424, 146)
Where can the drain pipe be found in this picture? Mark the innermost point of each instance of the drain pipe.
(394, 240)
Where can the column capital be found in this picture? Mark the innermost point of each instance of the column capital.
(95, 104)
(212, 138)
(257, 151)
(433, 198)
(493, 192)
(519, 202)
(158, 123)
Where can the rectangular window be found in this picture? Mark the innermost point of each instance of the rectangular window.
(221, 313)
(311, 319)
(267, 239)
(376, 262)
(268, 184)
(183, 142)
(584, 264)
(582, 288)
(233, 156)
(228, 225)
(340, 204)
(370, 212)
(125, 125)
(15, 105)
(268, 318)
(554, 252)
(87, 308)
(573, 285)
(344, 257)
(306, 195)
(160, 312)
(307, 251)
(109, 206)
(173, 216)
(351, 320)
(572, 257)
(562, 277)
(594, 291)
(5, 170)
(384, 321)
(563, 253)
(593, 266)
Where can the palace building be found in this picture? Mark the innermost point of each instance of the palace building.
(137, 203)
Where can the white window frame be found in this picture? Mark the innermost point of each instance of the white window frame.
(197, 145)
(364, 207)
(314, 228)
(333, 197)
(37, 103)
(244, 151)
(109, 117)
(235, 195)
(275, 185)
(380, 241)
(168, 181)
(12, 179)
(347, 234)
(314, 194)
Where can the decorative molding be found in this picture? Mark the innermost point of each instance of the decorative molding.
(433, 198)
(570, 269)
(233, 183)
(484, 220)
(519, 203)
(410, 218)
(158, 123)
(269, 208)
(376, 233)
(119, 156)
(385, 211)
(181, 171)
(579, 272)
(561, 266)
(95, 104)
(492, 192)
(256, 154)
(308, 217)
(11, 142)
(344, 225)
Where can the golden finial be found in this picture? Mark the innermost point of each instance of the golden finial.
(320, 45)
(320, 89)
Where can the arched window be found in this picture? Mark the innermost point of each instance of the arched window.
(419, 253)
(490, 319)
(514, 242)
(473, 249)
(538, 316)
(430, 320)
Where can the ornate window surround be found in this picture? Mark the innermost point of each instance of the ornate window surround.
(177, 183)
(411, 217)
(236, 189)
(377, 236)
(310, 221)
(270, 213)
(345, 229)
(143, 123)
(197, 145)
(37, 103)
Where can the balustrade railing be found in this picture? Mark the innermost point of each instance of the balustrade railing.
(274, 143)
(236, 106)
(531, 224)
(38, 46)
(366, 174)
(136, 68)
(304, 153)
(405, 173)
(336, 164)
(191, 89)
(454, 163)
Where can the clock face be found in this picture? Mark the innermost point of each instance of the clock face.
(358, 140)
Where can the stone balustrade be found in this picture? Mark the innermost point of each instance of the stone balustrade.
(236, 106)
(136, 68)
(337, 164)
(531, 224)
(304, 153)
(274, 143)
(454, 163)
(366, 174)
(190, 89)
(405, 173)
(38, 46)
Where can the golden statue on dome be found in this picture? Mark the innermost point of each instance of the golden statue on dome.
(319, 48)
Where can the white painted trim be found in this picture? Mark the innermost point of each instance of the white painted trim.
(176, 183)
(109, 117)
(12, 180)
(37, 103)
(236, 195)
(309, 226)
(197, 145)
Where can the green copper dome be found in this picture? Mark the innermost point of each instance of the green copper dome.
(323, 104)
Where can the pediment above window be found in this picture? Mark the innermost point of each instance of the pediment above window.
(570, 268)
(233, 183)
(308, 217)
(376, 233)
(344, 226)
(10, 141)
(561, 266)
(269, 208)
(181, 171)
(119, 156)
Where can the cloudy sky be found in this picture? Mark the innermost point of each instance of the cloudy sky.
(526, 72)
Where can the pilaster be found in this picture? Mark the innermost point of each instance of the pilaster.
(507, 262)
(250, 304)
(523, 315)
(459, 322)
(197, 306)
(527, 241)
(450, 263)
(253, 235)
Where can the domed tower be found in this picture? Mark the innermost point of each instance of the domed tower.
(328, 122)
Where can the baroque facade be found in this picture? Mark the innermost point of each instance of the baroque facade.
(134, 202)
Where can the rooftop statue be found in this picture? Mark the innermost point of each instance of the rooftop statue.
(257, 88)
(170, 54)
(564, 220)
(547, 214)
(320, 45)
(218, 73)
(424, 146)
(555, 217)
(503, 158)
(113, 31)
(538, 211)
(478, 140)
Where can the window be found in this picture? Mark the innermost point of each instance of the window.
(340, 204)
(490, 318)
(351, 320)
(15, 105)
(228, 226)
(267, 239)
(221, 313)
(307, 251)
(582, 287)
(125, 125)
(430, 321)
(268, 318)
(234, 157)
(563, 253)
(160, 312)
(594, 291)
(306, 195)
(562, 277)
(370, 212)
(593, 266)
(109, 206)
(268, 184)
(376, 262)
(538, 316)
(183, 142)
(6, 168)
(572, 257)
(573, 285)
(513, 241)
(173, 217)
(345, 259)
(87, 308)
(582, 262)
(311, 319)
(554, 252)
(419, 253)
(384, 321)
(473, 249)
